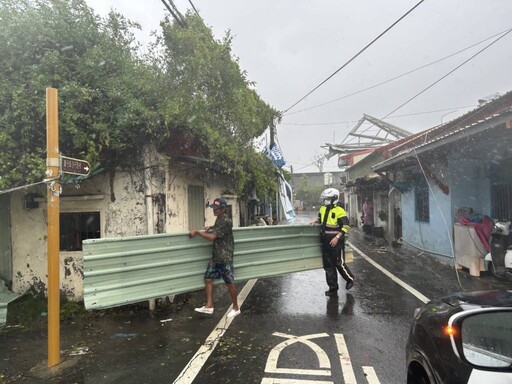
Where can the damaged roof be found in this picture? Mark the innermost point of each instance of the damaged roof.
(486, 115)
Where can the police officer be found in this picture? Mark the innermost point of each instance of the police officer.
(334, 227)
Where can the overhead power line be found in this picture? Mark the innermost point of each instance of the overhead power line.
(449, 73)
(356, 55)
(446, 75)
(390, 117)
(397, 77)
(175, 13)
(21, 187)
(193, 7)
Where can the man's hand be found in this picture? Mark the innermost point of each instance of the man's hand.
(313, 222)
(193, 233)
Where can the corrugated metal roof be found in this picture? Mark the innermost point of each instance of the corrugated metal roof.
(442, 136)
(489, 110)
(119, 271)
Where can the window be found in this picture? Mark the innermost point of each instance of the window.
(76, 227)
(196, 207)
(501, 200)
(501, 190)
(422, 203)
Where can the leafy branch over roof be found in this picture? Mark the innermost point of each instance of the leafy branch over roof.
(113, 101)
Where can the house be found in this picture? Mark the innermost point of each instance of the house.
(167, 195)
(465, 163)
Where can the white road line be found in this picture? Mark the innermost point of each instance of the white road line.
(404, 285)
(267, 380)
(371, 376)
(346, 365)
(193, 367)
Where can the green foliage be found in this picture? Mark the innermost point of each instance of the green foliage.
(309, 194)
(113, 102)
(209, 97)
(62, 44)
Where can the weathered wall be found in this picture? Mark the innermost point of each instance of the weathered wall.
(434, 236)
(121, 202)
(122, 213)
(177, 198)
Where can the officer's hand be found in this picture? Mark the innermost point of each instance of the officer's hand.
(313, 222)
(192, 233)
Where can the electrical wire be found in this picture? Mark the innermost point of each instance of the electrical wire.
(446, 75)
(443, 77)
(397, 77)
(449, 73)
(442, 215)
(355, 56)
(22, 187)
(390, 117)
(194, 8)
(175, 13)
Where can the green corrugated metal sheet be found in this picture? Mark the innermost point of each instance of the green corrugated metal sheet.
(132, 269)
(6, 297)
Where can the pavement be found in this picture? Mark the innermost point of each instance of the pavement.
(94, 343)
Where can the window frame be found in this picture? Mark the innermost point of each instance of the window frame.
(422, 201)
(77, 229)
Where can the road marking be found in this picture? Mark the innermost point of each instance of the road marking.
(323, 359)
(267, 380)
(404, 285)
(193, 367)
(323, 362)
(346, 365)
(371, 376)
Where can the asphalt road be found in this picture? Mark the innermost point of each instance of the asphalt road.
(288, 332)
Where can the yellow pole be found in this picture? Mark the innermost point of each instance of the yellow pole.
(53, 189)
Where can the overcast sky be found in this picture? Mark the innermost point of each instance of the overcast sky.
(288, 47)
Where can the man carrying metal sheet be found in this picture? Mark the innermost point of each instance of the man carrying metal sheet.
(221, 263)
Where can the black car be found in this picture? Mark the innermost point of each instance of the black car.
(462, 338)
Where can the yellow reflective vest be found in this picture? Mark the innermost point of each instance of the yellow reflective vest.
(336, 220)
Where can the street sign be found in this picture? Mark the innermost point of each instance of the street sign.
(74, 166)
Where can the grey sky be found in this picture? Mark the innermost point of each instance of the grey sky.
(289, 46)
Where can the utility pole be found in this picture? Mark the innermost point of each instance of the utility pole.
(319, 162)
(53, 190)
(272, 142)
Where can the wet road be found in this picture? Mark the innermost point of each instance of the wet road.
(288, 332)
(344, 339)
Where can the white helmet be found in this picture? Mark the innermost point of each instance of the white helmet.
(330, 196)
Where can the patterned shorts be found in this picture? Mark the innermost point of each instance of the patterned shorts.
(215, 271)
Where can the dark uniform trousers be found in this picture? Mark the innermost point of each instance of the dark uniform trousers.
(334, 262)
